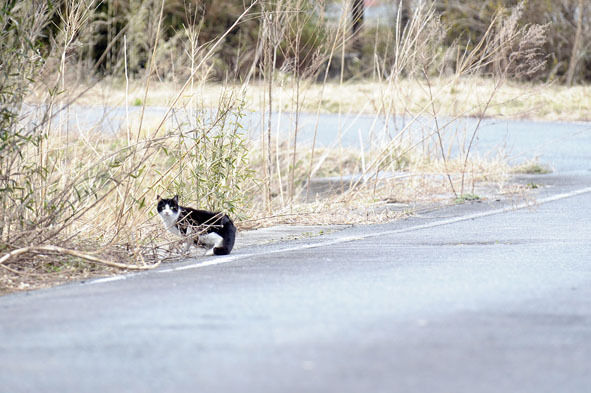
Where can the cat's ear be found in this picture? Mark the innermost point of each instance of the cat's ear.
(176, 199)
(158, 197)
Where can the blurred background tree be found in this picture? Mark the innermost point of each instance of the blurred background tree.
(567, 36)
(373, 25)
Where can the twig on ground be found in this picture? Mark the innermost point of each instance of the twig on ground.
(9, 269)
(74, 253)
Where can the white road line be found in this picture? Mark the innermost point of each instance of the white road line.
(473, 216)
(107, 279)
(347, 239)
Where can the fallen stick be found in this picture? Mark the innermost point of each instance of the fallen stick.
(61, 250)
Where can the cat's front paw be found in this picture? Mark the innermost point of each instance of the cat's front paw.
(209, 252)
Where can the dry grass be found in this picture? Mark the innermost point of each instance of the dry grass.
(512, 100)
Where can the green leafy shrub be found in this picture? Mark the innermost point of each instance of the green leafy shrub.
(212, 159)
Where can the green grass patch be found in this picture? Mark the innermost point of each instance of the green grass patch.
(467, 198)
(532, 168)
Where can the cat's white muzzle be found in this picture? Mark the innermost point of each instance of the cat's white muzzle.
(169, 218)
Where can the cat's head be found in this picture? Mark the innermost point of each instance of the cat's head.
(168, 207)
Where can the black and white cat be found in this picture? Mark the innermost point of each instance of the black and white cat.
(201, 227)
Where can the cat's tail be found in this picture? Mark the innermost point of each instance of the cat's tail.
(228, 237)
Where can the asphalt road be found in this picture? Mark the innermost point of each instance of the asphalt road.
(483, 297)
(563, 146)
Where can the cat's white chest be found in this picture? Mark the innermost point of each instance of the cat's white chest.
(211, 239)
